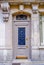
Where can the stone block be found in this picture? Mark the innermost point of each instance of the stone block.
(41, 54)
(35, 55)
(5, 55)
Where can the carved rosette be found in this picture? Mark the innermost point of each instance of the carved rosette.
(5, 11)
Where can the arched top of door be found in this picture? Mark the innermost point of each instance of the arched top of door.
(21, 13)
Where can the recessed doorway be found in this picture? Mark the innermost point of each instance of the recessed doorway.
(21, 38)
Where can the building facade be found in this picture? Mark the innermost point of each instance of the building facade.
(21, 32)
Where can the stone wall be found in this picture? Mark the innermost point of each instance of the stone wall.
(6, 49)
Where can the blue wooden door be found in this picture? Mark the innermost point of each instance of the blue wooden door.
(21, 35)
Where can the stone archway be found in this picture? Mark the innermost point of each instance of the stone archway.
(21, 12)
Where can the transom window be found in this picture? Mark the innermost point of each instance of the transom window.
(21, 17)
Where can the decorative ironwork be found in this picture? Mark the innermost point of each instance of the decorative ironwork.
(21, 17)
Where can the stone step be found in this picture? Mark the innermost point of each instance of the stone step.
(27, 62)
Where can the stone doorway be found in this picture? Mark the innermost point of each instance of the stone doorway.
(21, 37)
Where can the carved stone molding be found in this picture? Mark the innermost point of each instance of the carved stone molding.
(21, 7)
(34, 8)
(5, 11)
